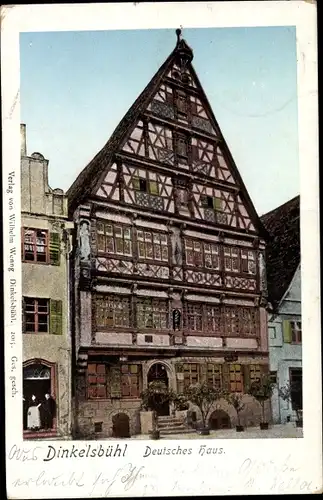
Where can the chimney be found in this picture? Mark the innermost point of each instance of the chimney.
(23, 143)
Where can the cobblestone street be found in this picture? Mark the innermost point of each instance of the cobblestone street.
(274, 432)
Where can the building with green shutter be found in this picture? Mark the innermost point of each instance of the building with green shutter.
(284, 294)
(45, 247)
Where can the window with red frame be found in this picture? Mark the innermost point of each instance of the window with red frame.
(35, 245)
(296, 328)
(36, 315)
(97, 381)
(236, 381)
(214, 375)
(130, 381)
(191, 374)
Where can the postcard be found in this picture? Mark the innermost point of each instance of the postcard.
(161, 222)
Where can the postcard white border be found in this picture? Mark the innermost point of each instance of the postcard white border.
(248, 466)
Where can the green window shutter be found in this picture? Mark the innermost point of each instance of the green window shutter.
(246, 376)
(287, 331)
(54, 249)
(136, 183)
(115, 382)
(153, 187)
(217, 203)
(226, 376)
(56, 317)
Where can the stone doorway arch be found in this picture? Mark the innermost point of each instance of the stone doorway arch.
(219, 419)
(120, 425)
(158, 373)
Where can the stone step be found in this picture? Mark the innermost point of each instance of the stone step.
(168, 432)
(170, 419)
(170, 424)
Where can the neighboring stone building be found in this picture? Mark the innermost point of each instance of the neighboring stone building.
(284, 294)
(45, 281)
(169, 273)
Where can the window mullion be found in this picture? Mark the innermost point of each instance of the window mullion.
(36, 315)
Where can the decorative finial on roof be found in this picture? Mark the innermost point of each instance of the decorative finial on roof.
(183, 50)
(178, 34)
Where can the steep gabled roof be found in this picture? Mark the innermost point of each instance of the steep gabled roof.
(84, 184)
(283, 247)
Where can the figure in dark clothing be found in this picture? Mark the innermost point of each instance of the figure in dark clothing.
(48, 412)
(24, 409)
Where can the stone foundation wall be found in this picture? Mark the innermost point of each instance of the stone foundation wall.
(250, 416)
(90, 413)
(94, 418)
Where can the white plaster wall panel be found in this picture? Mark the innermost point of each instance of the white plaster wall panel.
(158, 340)
(112, 289)
(111, 338)
(230, 241)
(241, 343)
(203, 341)
(239, 302)
(111, 176)
(127, 198)
(113, 217)
(202, 298)
(150, 225)
(195, 234)
(151, 293)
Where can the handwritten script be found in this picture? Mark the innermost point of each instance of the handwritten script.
(217, 476)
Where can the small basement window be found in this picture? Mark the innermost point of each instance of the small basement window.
(148, 339)
(97, 426)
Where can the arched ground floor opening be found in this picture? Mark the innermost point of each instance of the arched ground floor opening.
(219, 419)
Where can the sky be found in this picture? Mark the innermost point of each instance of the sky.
(77, 86)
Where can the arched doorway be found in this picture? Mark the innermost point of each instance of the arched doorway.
(158, 373)
(120, 425)
(39, 381)
(219, 420)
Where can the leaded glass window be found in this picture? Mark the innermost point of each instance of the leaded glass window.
(214, 375)
(112, 311)
(114, 239)
(152, 314)
(152, 246)
(194, 317)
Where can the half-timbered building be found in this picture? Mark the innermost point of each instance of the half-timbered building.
(169, 273)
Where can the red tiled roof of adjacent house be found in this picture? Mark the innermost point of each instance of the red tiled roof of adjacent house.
(283, 247)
